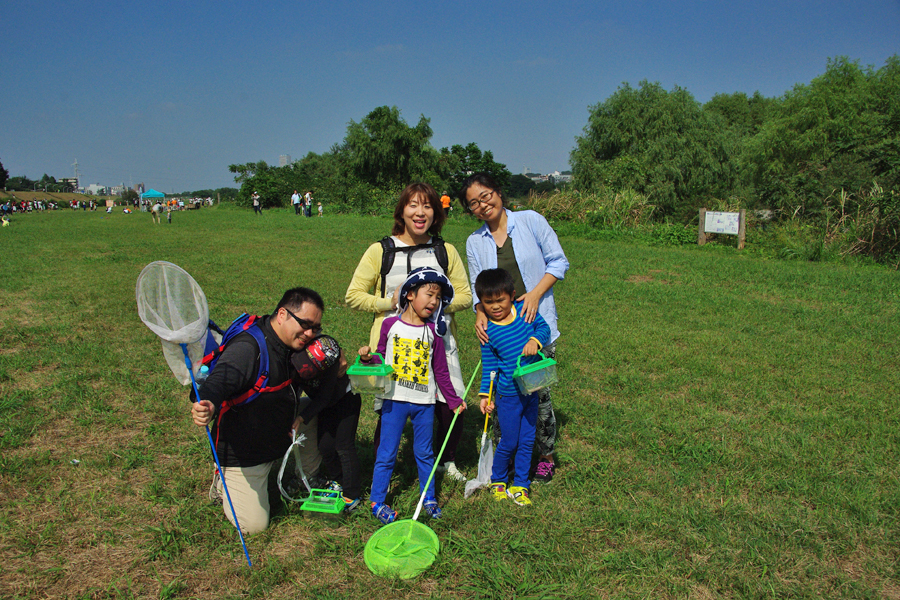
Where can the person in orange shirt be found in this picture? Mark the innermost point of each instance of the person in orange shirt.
(445, 202)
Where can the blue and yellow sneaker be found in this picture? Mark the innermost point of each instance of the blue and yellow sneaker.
(499, 491)
(431, 507)
(519, 495)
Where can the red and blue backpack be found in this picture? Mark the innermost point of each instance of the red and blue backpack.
(212, 352)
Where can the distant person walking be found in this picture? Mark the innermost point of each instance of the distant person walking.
(309, 201)
(320, 209)
(256, 206)
(445, 202)
(154, 212)
(295, 200)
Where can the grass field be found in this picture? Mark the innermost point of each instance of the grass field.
(728, 425)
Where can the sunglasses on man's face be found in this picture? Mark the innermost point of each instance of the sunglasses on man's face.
(304, 324)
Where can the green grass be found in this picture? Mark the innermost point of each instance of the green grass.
(728, 425)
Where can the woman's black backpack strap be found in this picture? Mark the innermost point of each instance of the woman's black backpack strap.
(389, 251)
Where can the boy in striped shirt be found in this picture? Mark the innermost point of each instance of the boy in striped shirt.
(510, 336)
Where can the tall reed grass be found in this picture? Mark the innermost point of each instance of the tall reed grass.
(605, 209)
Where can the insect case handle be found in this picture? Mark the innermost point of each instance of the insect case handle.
(519, 360)
(359, 358)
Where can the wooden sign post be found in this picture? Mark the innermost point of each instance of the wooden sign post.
(728, 223)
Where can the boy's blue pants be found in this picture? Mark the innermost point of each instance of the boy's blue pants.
(518, 420)
(393, 419)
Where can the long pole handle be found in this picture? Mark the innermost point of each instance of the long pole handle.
(490, 399)
(212, 445)
(444, 445)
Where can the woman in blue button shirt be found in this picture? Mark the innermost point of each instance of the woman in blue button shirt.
(524, 244)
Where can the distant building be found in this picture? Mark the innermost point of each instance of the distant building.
(561, 176)
(96, 189)
(72, 182)
(117, 190)
(556, 176)
(284, 160)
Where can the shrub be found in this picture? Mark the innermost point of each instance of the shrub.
(866, 224)
(672, 234)
(602, 210)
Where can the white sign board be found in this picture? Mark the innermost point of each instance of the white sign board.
(722, 222)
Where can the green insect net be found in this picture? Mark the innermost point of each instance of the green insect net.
(402, 549)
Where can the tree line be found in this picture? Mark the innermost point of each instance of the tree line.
(822, 151)
(377, 158)
(832, 141)
(837, 137)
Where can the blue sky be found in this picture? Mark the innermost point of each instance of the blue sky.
(171, 93)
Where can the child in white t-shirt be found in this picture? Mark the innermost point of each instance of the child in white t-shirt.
(413, 345)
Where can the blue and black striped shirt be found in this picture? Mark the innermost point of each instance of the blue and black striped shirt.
(505, 346)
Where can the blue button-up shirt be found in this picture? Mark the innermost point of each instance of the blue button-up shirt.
(537, 251)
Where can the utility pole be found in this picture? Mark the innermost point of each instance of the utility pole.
(77, 175)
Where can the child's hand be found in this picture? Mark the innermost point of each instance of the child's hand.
(486, 405)
(531, 348)
(365, 353)
(461, 407)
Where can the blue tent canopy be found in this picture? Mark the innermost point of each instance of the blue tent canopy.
(151, 193)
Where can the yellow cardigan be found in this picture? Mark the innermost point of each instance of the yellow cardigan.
(367, 277)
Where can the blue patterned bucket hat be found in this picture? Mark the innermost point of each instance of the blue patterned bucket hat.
(430, 275)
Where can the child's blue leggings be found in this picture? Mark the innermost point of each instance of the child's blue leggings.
(393, 419)
(518, 419)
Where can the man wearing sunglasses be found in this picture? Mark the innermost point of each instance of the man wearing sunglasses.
(251, 438)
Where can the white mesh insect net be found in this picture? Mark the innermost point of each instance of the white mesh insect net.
(174, 307)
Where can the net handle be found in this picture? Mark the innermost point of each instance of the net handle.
(444, 445)
(212, 445)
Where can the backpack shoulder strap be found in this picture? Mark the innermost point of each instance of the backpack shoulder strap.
(388, 250)
(440, 253)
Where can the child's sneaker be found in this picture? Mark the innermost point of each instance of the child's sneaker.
(432, 508)
(351, 504)
(453, 472)
(544, 471)
(499, 491)
(384, 513)
(519, 495)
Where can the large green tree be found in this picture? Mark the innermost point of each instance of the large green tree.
(379, 156)
(519, 186)
(20, 183)
(659, 143)
(385, 152)
(267, 181)
(4, 175)
(744, 114)
(839, 132)
(129, 196)
(458, 162)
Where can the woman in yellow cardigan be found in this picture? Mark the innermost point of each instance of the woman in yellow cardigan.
(418, 218)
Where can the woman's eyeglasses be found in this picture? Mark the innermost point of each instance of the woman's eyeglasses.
(485, 197)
